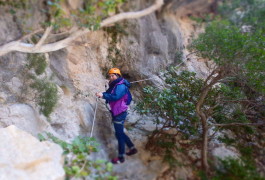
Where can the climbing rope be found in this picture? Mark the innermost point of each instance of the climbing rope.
(143, 80)
(91, 134)
(155, 76)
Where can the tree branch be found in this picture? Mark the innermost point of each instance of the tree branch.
(30, 34)
(40, 48)
(30, 48)
(239, 124)
(44, 37)
(132, 15)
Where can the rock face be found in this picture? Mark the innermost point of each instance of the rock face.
(153, 43)
(222, 152)
(21, 115)
(24, 157)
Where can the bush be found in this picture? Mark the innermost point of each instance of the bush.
(235, 169)
(37, 62)
(47, 96)
(175, 103)
(45, 92)
(77, 162)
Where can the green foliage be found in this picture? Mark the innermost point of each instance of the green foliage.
(45, 91)
(176, 103)
(227, 46)
(221, 42)
(178, 57)
(77, 163)
(236, 45)
(246, 150)
(233, 169)
(89, 14)
(170, 159)
(47, 95)
(228, 141)
(14, 4)
(244, 12)
(114, 34)
(230, 108)
(37, 62)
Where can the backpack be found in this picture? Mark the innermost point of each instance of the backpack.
(129, 97)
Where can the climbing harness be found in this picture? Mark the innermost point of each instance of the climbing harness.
(91, 134)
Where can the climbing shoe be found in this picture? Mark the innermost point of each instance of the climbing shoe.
(117, 160)
(131, 152)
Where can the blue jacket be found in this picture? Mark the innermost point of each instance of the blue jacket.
(117, 96)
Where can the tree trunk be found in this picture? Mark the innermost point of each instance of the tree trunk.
(204, 148)
(209, 82)
(204, 160)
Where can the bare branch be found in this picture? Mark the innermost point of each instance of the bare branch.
(239, 124)
(44, 37)
(132, 15)
(238, 100)
(40, 48)
(30, 48)
(31, 34)
(191, 53)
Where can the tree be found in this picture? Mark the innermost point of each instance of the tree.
(238, 56)
(91, 16)
(234, 86)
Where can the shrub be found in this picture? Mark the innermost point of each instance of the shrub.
(77, 162)
(47, 96)
(45, 92)
(234, 169)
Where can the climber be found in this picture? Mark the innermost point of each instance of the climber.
(118, 96)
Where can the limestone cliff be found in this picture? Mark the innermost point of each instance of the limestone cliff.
(152, 43)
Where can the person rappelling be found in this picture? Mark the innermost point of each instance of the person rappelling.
(119, 97)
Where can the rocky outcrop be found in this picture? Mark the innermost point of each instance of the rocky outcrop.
(21, 115)
(152, 44)
(26, 158)
(222, 152)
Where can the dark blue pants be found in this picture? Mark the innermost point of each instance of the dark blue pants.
(118, 122)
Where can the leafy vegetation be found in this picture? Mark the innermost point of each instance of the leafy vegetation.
(37, 62)
(231, 97)
(232, 169)
(176, 106)
(88, 15)
(242, 54)
(165, 103)
(46, 93)
(244, 13)
(77, 162)
(114, 35)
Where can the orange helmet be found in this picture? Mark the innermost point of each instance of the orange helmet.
(115, 71)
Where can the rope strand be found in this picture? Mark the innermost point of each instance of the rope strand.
(155, 76)
(91, 134)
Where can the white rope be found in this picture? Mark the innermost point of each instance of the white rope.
(143, 80)
(91, 134)
(153, 77)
